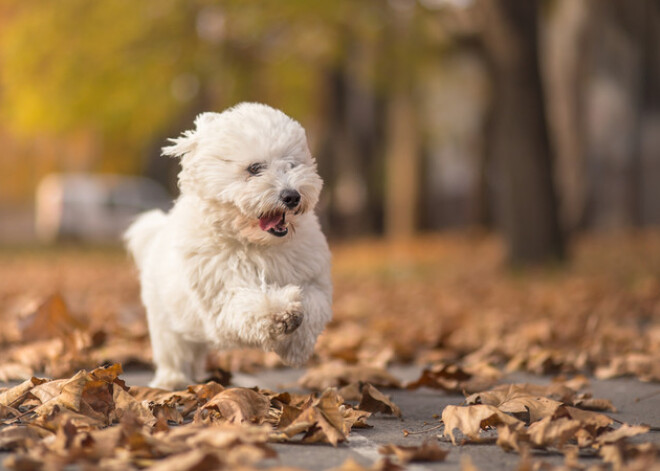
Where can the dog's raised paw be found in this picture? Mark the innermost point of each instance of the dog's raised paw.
(285, 323)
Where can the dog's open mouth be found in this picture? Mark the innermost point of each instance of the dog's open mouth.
(274, 223)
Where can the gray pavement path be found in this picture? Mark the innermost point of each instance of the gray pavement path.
(636, 402)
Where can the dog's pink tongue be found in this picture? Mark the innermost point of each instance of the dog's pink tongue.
(268, 222)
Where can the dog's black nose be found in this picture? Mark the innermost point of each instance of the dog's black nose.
(290, 198)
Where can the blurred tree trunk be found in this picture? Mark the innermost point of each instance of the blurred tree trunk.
(526, 205)
(650, 134)
(348, 148)
(614, 94)
(402, 155)
(564, 50)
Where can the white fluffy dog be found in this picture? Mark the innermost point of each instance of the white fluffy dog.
(240, 260)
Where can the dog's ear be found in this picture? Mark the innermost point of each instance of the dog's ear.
(188, 141)
(204, 119)
(181, 145)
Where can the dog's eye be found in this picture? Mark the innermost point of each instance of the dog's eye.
(255, 168)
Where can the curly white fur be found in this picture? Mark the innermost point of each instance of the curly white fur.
(214, 271)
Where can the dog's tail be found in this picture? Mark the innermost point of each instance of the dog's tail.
(141, 233)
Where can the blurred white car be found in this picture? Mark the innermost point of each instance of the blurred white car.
(93, 207)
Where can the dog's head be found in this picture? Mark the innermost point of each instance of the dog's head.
(251, 164)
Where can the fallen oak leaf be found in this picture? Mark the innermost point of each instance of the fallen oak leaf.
(161, 396)
(623, 432)
(69, 397)
(316, 427)
(350, 464)
(126, 407)
(593, 421)
(15, 370)
(426, 452)
(21, 436)
(58, 416)
(450, 377)
(499, 394)
(51, 319)
(331, 405)
(373, 400)
(322, 421)
(354, 418)
(193, 460)
(470, 420)
(8, 414)
(627, 456)
(236, 405)
(11, 395)
(206, 391)
(97, 399)
(509, 438)
(109, 374)
(48, 390)
(595, 404)
(529, 409)
(166, 412)
(352, 391)
(553, 432)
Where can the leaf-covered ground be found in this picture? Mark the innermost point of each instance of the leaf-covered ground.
(443, 302)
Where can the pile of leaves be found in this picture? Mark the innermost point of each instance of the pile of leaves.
(95, 419)
(445, 302)
(439, 299)
(555, 418)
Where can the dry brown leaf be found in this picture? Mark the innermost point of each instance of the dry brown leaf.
(351, 392)
(194, 460)
(236, 405)
(470, 420)
(529, 409)
(315, 426)
(14, 370)
(553, 432)
(69, 397)
(467, 464)
(623, 432)
(381, 465)
(454, 378)
(596, 404)
(49, 390)
(499, 394)
(337, 373)
(373, 400)
(8, 397)
(645, 366)
(426, 452)
(629, 457)
(14, 436)
(354, 418)
(331, 404)
(126, 407)
(8, 414)
(206, 391)
(160, 396)
(593, 421)
(511, 439)
(323, 421)
(166, 413)
(51, 319)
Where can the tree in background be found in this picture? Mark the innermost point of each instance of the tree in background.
(392, 95)
(525, 203)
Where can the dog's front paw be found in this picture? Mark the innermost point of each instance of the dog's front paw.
(284, 323)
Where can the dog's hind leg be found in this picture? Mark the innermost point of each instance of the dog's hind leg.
(174, 358)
